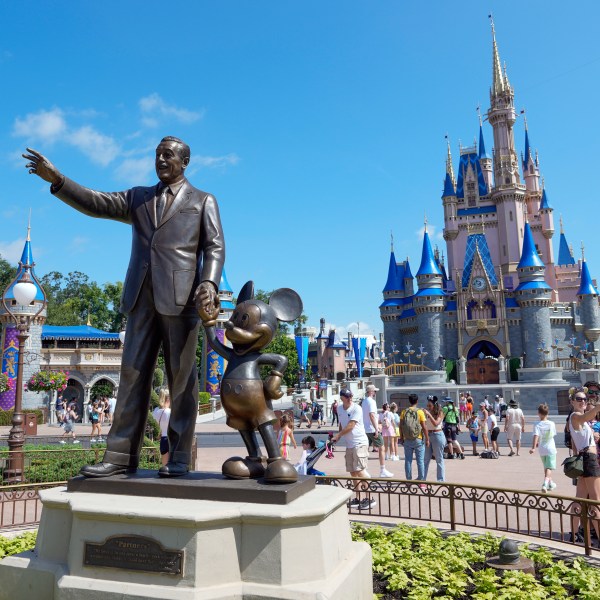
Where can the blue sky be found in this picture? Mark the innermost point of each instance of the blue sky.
(319, 126)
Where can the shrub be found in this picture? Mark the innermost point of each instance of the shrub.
(17, 544)
(159, 378)
(420, 563)
(7, 415)
(152, 428)
(203, 397)
(153, 400)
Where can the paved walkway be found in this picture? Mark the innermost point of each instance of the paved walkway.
(217, 442)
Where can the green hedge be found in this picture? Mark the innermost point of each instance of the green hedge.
(7, 415)
(203, 397)
(17, 544)
(420, 563)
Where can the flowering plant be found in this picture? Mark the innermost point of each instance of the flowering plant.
(5, 383)
(46, 381)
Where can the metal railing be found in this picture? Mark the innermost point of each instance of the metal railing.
(401, 368)
(569, 362)
(205, 409)
(525, 513)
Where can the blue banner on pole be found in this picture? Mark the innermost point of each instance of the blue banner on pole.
(302, 350)
(359, 345)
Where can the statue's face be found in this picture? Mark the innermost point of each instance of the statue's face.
(169, 164)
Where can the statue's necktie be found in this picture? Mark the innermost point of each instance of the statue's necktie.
(161, 204)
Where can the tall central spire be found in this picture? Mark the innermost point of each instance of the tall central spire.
(498, 83)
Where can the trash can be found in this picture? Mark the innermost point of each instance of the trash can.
(30, 424)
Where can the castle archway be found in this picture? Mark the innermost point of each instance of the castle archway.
(482, 362)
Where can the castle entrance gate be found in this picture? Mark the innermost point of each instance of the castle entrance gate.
(482, 363)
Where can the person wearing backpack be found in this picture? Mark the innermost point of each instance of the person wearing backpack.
(414, 437)
(451, 429)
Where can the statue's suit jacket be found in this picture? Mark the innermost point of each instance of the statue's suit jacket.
(185, 248)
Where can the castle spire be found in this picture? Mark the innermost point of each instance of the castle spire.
(529, 254)
(449, 168)
(428, 263)
(586, 287)
(393, 283)
(498, 84)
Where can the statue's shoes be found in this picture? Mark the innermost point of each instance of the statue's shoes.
(173, 469)
(280, 470)
(237, 467)
(105, 469)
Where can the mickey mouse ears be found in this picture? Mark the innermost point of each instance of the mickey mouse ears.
(286, 303)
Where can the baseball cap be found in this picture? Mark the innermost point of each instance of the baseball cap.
(448, 399)
(372, 388)
(346, 393)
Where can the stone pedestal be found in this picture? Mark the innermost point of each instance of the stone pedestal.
(94, 545)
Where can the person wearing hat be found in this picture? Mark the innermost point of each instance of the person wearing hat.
(357, 445)
(514, 426)
(451, 418)
(373, 427)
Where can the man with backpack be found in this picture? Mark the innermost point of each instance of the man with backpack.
(414, 437)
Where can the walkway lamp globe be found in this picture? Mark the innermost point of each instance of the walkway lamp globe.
(25, 287)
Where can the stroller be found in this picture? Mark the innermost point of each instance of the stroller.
(308, 467)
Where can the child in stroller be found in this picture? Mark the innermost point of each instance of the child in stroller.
(310, 455)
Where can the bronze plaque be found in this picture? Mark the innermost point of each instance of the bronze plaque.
(133, 553)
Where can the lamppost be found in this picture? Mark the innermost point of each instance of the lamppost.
(422, 354)
(556, 346)
(543, 351)
(409, 352)
(24, 291)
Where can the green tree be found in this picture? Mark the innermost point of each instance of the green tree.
(102, 389)
(286, 346)
(7, 273)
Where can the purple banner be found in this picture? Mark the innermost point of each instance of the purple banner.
(10, 360)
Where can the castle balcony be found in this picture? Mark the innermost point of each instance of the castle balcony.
(401, 368)
(473, 326)
(81, 359)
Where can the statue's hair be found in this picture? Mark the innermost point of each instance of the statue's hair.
(184, 151)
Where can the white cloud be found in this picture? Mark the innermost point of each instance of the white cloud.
(215, 162)
(79, 243)
(153, 106)
(135, 170)
(361, 328)
(12, 251)
(101, 149)
(432, 230)
(45, 126)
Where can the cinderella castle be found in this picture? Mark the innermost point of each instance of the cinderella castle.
(504, 304)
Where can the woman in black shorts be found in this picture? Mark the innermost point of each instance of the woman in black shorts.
(582, 443)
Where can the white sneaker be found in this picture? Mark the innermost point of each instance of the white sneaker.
(93, 440)
(552, 485)
(354, 503)
(385, 473)
(76, 442)
(387, 457)
(544, 487)
(63, 442)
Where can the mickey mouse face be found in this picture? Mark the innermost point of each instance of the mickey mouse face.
(251, 326)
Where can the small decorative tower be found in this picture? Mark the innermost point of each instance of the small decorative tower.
(588, 301)
(429, 304)
(393, 294)
(534, 297)
(450, 202)
(10, 345)
(484, 158)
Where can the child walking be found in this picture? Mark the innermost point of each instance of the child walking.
(543, 437)
(286, 436)
(473, 427)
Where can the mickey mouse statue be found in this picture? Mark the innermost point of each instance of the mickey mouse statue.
(245, 397)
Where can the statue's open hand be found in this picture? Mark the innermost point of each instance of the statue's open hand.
(39, 165)
(207, 303)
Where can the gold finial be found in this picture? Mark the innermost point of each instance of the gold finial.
(561, 224)
(524, 113)
(392, 235)
(425, 223)
(482, 224)
(442, 257)
(582, 251)
(571, 251)
(29, 227)
(497, 78)
(449, 168)
(479, 115)
(525, 213)
(89, 322)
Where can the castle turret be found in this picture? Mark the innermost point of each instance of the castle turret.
(484, 158)
(10, 343)
(393, 297)
(534, 297)
(588, 302)
(429, 304)
(450, 202)
(408, 279)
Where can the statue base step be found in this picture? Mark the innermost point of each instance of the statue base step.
(107, 546)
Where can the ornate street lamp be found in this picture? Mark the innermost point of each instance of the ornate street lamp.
(543, 351)
(24, 291)
(409, 352)
(422, 354)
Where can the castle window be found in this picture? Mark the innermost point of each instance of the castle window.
(510, 215)
(504, 250)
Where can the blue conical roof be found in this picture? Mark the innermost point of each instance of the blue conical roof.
(564, 252)
(449, 186)
(26, 259)
(224, 284)
(393, 283)
(428, 263)
(529, 255)
(527, 156)
(407, 272)
(544, 200)
(482, 152)
(586, 287)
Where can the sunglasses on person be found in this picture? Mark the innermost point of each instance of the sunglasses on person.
(580, 399)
